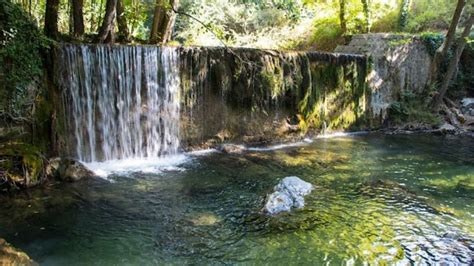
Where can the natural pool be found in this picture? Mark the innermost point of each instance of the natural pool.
(378, 198)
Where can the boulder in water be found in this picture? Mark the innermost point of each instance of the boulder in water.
(447, 128)
(12, 256)
(289, 193)
(231, 148)
(72, 170)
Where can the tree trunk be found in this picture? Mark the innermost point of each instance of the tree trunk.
(366, 9)
(443, 50)
(78, 17)
(51, 19)
(342, 16)
(163, 21)
(107, 30)
(404, 11)
(461, 44)
(124, 34)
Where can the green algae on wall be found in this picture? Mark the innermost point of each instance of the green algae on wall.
(253, 93)
(250, 95)
(21, 165)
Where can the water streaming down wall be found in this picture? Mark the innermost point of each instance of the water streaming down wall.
(145, 101)
(120, 103)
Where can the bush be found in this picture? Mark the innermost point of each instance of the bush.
(412, 108)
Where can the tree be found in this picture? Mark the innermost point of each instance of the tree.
(460, 45)
(366, 9)
(51, 19)
(163, 20)
(342, 16)
(107, 29)
(443, 49)
(78, 17)
(124, 34)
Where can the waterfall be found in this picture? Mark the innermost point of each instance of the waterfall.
(121, 102)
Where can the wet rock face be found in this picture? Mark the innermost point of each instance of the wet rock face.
(12, 256)
(72, 170)
(289, 193)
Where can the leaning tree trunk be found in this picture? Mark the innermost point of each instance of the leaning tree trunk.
(342, 16)
(163, 21)
(366, 9)
(51, 19)
(443, 50)
(461, 44)
(78, 17)
(123, 33)
(107, 30)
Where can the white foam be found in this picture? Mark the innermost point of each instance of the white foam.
(278, 147)
(306, 141)
(340, 134)
(144, 165)
(201, 152)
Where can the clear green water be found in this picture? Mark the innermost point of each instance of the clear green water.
(405, 199)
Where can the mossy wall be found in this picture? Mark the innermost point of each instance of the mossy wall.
(254, 96)
(249, 95)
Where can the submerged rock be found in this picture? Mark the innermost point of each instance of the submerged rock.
(231, 148)
(447, 128)
(72, 170)
(289, 193)
(12, 256)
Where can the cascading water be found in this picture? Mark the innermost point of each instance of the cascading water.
(124, 102)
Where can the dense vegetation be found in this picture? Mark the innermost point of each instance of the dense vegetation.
(21, 70)
(302, 24)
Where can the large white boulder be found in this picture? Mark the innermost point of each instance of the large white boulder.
(289, 193)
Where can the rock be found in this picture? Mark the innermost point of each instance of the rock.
(288, 193)
(12, 256)
(52, 169)
(278, 202)
(72, 170)
(447, 128)
(459, 116)
(231, 148)
(467, 102)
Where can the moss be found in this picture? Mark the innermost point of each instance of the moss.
(457, 182)
(22, 165)
(337, 98)
(403, 41)
(432, 41)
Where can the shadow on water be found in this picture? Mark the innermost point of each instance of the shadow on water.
(405, 199)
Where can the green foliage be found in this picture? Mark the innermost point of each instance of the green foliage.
(404, 12)
(239, 23)
(411, 107)
(430, 15)
(432, 40)
(20, 54)
(327, 34)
